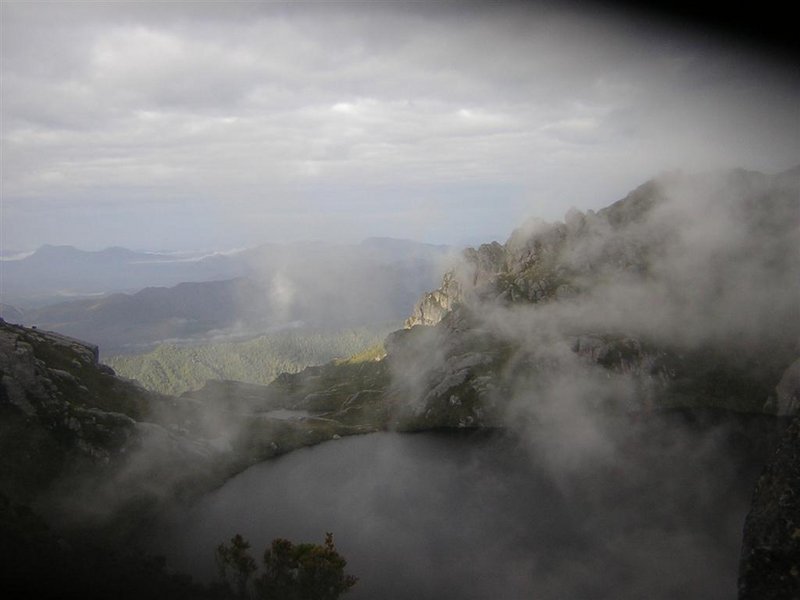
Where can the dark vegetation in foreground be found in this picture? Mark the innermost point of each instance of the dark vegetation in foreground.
(290, 572)
(35, 562)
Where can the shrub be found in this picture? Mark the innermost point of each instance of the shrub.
(290, 572)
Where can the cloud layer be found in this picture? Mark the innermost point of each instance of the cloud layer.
(253, 122)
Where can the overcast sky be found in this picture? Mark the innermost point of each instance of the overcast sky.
(220, 125)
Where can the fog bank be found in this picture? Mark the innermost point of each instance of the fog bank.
(477, 516)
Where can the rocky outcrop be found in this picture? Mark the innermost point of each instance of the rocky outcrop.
(71, 429)
(770, 561)
(436, 304)
(542, 261)
(82, 443)
(788, 390)
(57, 382)
(446, 376)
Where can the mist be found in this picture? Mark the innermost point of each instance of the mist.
(602, 360)
(253, 292)
(689, 270)
(585, 482)
(685, 262)
(477, 516)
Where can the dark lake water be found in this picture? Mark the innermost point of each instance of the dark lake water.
(478, 516)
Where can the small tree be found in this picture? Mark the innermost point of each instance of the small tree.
(291, 572)
(235, 565)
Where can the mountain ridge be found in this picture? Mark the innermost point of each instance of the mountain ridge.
(277, 285)
(51, 272)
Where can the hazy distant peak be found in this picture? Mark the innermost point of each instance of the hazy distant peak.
(52, 248)
(792, 173)
(118, 251)
(397, 242)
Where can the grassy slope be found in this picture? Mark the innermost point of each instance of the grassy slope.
(174, 369)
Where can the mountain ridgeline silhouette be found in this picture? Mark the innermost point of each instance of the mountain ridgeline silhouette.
(218, 296)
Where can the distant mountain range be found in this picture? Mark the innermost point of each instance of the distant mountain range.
(57, 273)
(217, 296)
(54, 273)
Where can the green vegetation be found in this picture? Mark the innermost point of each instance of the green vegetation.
(172, 369)
(373, 353)
(85, 384)
(291, 572)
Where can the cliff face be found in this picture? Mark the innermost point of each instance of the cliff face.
(83, 463)
(433, 306)
(723, 217)
(56, 402)
(770, 563)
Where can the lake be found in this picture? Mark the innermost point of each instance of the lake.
(478, 515)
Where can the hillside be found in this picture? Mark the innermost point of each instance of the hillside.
(174, 369)
(82, 445)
